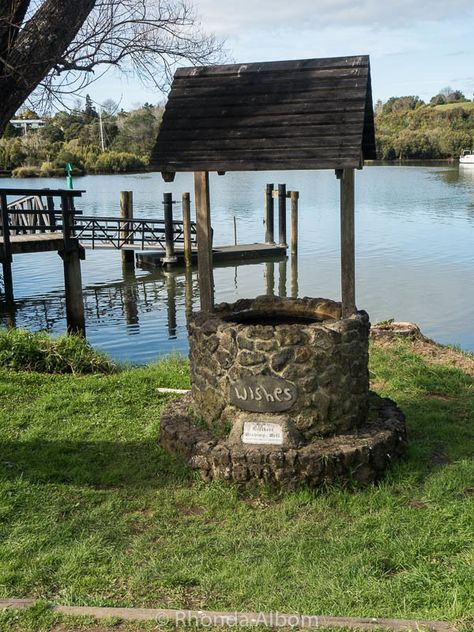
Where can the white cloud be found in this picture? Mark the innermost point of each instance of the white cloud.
(231, 17)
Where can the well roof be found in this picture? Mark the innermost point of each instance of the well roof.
(306, 114)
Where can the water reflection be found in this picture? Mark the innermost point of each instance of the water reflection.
(129, 299)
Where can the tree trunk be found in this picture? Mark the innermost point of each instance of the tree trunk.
(28, 55)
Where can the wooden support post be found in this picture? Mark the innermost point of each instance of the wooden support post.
(71, 256)
(269, 219)
(282, 278)
(126, 214)
(294, 195)
(188, 293)
(171, 295)
(186, 208)
(270, 278)
(204, 239)
(169, 257)
(282, 213)
(294, 277)
(347, 243)
(6, 254)
(76, 322)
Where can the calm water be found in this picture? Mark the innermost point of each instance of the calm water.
(415, 256)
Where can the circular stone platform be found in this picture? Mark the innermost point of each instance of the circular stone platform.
(361, 456)
(280, 394)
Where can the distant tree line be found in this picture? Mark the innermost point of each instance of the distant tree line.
(408, 128)
(109, 141)
(104, 139)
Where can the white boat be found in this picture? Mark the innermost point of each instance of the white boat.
(467, 157)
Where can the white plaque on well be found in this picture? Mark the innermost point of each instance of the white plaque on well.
(262, 433)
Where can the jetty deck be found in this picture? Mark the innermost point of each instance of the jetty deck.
(46, 242)
(220, 254)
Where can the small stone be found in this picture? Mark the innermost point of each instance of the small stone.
(244, 343)
(281, 359)
(250, 358)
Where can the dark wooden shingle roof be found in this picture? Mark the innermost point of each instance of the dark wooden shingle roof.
(307, 114)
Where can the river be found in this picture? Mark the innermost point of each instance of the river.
(414, 255)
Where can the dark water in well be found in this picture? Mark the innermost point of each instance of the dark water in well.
(415, 256)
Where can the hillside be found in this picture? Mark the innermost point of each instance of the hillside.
(425, 132)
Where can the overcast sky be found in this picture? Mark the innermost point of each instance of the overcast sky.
(415, 46)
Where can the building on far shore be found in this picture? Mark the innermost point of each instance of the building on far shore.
(27, 124)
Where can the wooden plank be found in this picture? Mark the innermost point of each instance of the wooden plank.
(347, 243)
(260, 153)
(327, 96)
(278, 66)
(259, 120)
(261, 165)
(321, 132)
(309, 142)
(204, 237)
(292, 87)
(240, 111)
(310, 74)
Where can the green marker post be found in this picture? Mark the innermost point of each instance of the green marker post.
(69, 175)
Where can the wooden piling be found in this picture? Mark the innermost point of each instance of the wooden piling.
(169, 229)
(6, 252)
(282, 213)
(270, 278)
(294, 195)
(282, 278)
(269, 219)
(71, 256)
(75, 316)
(294, 277)
(186, 208)
(126, 214)
(347, 243)
(171, 299)
(204, 239)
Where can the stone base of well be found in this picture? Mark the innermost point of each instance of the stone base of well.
(360, 456)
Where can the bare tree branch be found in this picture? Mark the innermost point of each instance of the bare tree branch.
(59, 47)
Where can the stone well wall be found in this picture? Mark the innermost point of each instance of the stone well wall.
(292, 362)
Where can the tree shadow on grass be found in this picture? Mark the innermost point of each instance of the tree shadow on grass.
(96, 464)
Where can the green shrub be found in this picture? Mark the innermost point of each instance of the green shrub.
(27, 172)
(22, 350)
(119, 162)
(50, 170)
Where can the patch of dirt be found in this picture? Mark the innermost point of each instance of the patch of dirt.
(192, 510)
(432, 352)
(418, 504)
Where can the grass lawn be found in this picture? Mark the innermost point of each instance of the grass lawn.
(93, 512)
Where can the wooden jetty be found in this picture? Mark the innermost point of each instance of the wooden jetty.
(32, 223)
(32, 226)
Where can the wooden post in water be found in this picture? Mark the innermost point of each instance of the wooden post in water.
(186, 208)
(126, 214)
(269, 219)
(282, 213)
(294, 195)
(270, 278)
(347, 242)
(294, 276)
(169, 229)
(6, 254)
(71, 256)
(204, 239)
(282, 278)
